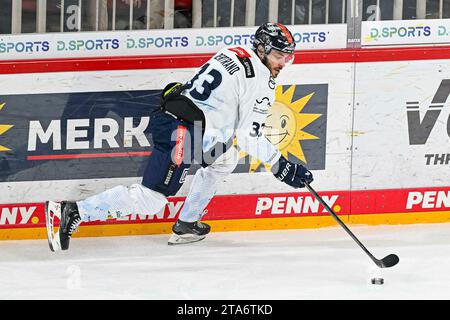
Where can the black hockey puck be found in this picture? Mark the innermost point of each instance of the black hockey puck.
(377, 281)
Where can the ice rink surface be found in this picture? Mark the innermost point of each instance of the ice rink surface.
(282, 264)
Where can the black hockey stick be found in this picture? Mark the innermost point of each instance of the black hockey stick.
(387, 262)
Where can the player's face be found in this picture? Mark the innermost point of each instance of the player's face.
(277, 60)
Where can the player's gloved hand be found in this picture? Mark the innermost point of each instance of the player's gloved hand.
(291, 173)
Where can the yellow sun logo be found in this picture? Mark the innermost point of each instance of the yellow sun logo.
(3, 129)
(285, 125)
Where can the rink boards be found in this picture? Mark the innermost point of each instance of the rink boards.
(374, 127)
(256, 212)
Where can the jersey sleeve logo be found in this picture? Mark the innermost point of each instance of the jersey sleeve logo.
(240, 52)
(244, 57)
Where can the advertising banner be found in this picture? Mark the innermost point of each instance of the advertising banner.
(221, 208)
(286, 210)
(402, 125)
(157, 42)
(405, 32)
(105, 134)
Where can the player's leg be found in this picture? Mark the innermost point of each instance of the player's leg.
(116, 202)
(188, 227)
(163, 177)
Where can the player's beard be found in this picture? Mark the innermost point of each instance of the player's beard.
(269, 66)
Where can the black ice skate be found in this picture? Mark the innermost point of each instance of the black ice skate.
(187, 232)
(70, 219)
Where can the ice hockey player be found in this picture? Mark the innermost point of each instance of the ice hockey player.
(228, 98)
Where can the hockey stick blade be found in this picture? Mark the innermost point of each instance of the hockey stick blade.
(387, 262)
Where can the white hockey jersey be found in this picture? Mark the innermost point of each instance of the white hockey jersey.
(235, 90)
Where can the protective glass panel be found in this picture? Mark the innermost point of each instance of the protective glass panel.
(318, 14)
(5, 16)
(28, 16)
(432, 9)
(410, 9)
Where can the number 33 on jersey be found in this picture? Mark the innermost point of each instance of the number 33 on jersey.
(235, 90)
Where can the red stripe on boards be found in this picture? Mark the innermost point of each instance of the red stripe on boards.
(88, 155)
(196, 60)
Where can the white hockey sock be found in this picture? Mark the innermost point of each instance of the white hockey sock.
(204, 185)
(202, 190)
(121, 201)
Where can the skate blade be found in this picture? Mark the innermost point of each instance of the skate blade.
(176, 239)
(52, 210)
